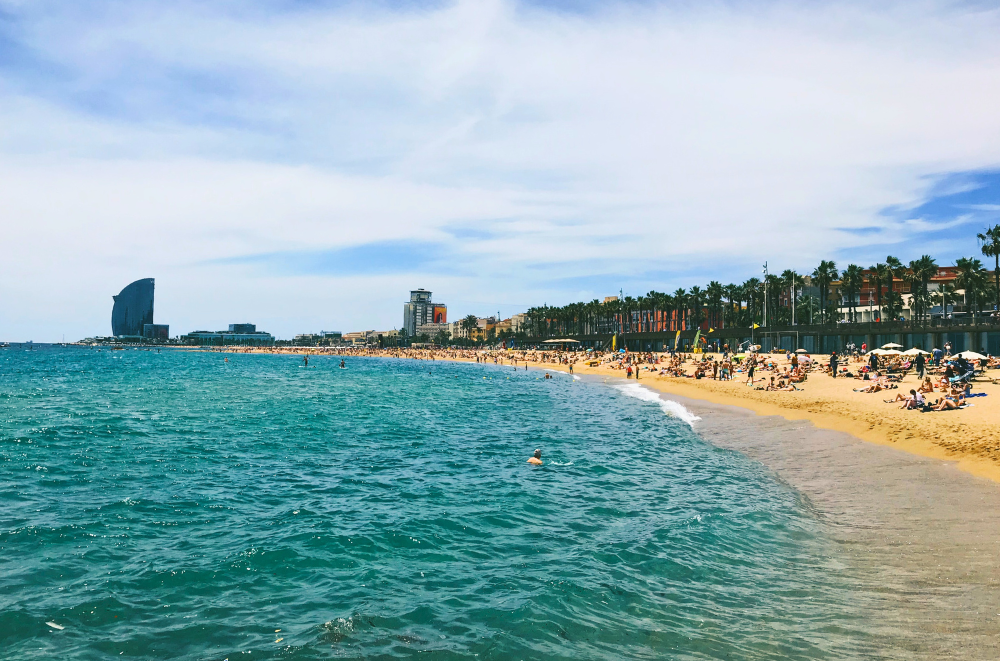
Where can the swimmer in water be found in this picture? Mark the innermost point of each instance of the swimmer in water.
(305, 359)
(342, 365)
(548, 376)
(536, 459)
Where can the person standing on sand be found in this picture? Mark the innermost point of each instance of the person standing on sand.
(571, 368)
(919, 363)
(833, 364)
(751, 365)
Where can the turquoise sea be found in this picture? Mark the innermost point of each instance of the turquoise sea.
(171, 505)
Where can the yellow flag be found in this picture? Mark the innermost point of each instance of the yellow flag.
(756, 326)
(711, 330)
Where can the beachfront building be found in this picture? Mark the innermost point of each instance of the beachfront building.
(945, 298)
(358, 338)
(457, 330)
(422, 310)
(133, 308)
(518, 322)
(431, 330)
(322, 338)
(228, 338)
(156, 331)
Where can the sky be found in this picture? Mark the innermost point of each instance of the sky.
(302, 164)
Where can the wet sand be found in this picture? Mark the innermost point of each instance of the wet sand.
(922, 537)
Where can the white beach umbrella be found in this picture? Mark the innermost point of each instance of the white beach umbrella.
(801, 351)
(892, 345)
(915, 352)
(971, 355)
(885, 352)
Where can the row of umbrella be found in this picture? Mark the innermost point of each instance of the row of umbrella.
(893, 349)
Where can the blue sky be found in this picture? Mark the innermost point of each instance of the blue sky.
(302, 165)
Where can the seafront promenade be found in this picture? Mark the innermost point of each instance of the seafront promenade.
(964, 334)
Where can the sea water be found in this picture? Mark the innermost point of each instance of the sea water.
(172, 505)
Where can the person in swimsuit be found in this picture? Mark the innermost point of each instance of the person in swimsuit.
(536, 459)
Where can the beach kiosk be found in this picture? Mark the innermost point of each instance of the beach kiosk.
(562, 344)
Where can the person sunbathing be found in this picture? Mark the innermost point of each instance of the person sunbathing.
(927, 385)
(881, 383)
(914, 401)
(948, 403)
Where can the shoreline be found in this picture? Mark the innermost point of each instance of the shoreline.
(885, 432)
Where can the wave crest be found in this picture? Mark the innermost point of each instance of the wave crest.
(670, 407)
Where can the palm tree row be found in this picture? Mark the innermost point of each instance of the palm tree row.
(781, 298)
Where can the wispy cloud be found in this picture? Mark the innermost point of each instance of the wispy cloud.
(540, 150)
(378, 258)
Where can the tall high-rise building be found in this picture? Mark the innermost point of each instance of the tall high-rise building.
(421, 310)
(133, 308)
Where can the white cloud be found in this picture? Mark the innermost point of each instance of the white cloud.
(140, 140)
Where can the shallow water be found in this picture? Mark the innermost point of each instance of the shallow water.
(172, 505)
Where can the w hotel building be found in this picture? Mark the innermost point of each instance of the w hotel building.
(420, 310)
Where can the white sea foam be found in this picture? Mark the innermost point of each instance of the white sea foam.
(576, 378)
(670, 407)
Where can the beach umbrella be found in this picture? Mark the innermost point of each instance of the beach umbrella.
(801, 351)
(892, 345)
(915, 352)
(885, 352)
(971, 355)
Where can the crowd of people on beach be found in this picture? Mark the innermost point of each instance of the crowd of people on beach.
(787, 371)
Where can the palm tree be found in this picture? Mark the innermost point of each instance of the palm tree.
(989, 242)
(751, 293)
(680, 304)
(696, 301)
(853, 279)
(876, 280)
(714, 292)
(923, 270)
(972, 278)
(895, 269)
(471, 322)
(823, 275)
(732, 293)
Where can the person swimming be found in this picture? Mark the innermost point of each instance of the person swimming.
(536, 459)
(342, 365)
